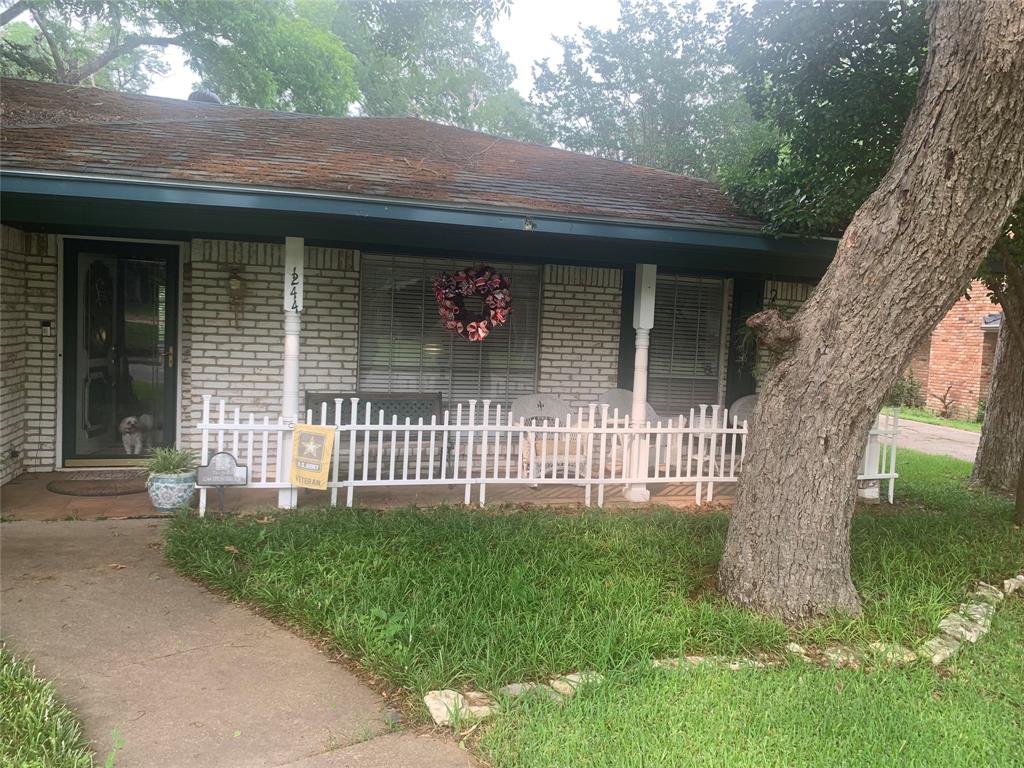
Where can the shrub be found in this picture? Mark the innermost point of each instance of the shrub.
(906, 392)
(170, 461)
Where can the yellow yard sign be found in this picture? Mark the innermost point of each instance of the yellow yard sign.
(311, 456)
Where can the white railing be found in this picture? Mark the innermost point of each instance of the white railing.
(478, 444)
(879, 461)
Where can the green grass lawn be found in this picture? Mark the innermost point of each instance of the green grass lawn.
(449, 597)
(972, 714)
(36, 729)
(920, 414)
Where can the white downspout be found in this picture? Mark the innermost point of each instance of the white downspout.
(643, 322)
(294, 248)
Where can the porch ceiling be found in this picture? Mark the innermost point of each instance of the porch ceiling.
(84, 205)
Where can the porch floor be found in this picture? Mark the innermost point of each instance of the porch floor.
(27, 498)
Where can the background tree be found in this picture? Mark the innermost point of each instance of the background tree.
(999, 464)
(258, 53)
(958, 171)
(836, 82)
(435, 59)
(655, 91)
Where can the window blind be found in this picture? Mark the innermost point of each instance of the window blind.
(404, 348)
(684, 358)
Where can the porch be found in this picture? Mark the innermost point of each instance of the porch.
(28, 498)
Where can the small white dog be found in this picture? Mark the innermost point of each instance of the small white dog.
(135, 433)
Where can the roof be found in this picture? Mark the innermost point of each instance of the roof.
(89, 131)
(992, 321)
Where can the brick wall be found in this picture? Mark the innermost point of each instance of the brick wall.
(28, 413)
(579, 332)
(241, 357)
(920, 363)
(956, 360)
(12, 352)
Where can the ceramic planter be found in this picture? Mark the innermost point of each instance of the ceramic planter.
(169, 493)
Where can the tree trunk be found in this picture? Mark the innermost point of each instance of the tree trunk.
(905, 258)
(1001, 451)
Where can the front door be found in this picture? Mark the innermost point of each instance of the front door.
(120, 342)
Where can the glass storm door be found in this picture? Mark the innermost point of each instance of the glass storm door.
(120, 342)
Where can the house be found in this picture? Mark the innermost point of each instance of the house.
(953, 366)
(155, 251)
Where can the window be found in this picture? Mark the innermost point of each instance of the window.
(404, 348)
(685, 354)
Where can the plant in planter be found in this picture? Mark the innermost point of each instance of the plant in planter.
(172, 478)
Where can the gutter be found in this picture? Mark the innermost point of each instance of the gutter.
(125, 190)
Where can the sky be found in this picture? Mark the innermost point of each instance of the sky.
(526, 34)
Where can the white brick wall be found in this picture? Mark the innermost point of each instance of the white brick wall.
(28, 412)
(579, 332)
(12, 352)
(240, 358)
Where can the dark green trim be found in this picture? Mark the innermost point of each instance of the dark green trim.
(627, 334)
(134, 208)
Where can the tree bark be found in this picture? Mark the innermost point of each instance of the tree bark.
(905, 258)
(997, 464)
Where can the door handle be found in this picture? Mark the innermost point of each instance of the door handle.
(170, 357)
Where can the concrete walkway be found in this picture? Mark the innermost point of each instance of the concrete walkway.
(940, 441)
(184, 676)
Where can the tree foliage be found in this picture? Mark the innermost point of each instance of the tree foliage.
(436, 59)
(254, 52)
(657, 91)
(1003, 274)
(836, 81)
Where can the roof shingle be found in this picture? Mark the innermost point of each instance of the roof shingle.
(91, 131)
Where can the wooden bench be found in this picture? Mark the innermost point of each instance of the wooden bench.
(403, 405)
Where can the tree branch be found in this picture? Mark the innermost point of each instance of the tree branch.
(1012, 304)
(114, 51)
(773, 331)
(20, 56)
(58, 62)
(12, 12)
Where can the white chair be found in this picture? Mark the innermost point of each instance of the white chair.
(536, 409)
(621, 400)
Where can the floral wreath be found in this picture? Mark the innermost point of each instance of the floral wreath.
(452, 291)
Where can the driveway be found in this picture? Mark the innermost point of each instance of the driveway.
(184, 676)
(940, 441)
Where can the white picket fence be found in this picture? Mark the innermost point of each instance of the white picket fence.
(478, 444)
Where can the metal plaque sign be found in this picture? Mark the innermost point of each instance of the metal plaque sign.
(311, 456)
(222, 469)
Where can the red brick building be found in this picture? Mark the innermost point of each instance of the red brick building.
(954, 364)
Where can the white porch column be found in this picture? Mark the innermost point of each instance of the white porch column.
(643, 322)
(294, 262)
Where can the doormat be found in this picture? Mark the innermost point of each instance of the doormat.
(103, 483)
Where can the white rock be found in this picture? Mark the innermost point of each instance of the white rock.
(515, 690)
(969, 623)
(894, 653)
(665, 663)
(479, 705)
(1011, 585)
(940, 648)
(444, 705)
(842, 657)
(799, 650)
(737, 664)
(988, 593)
(567, 684)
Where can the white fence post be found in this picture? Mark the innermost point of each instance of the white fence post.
(597, 448)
